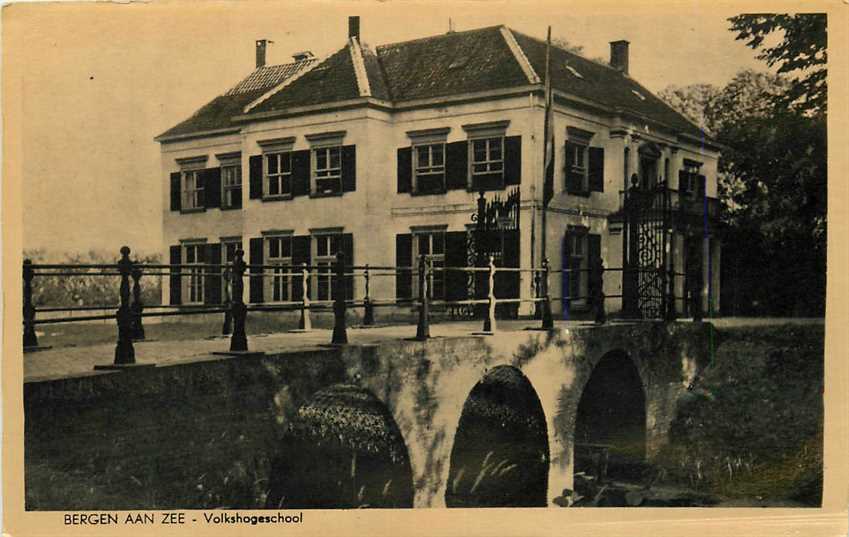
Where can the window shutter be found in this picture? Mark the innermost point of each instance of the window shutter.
(566, 262)
(176, 191)
(702, 184)
(403, 258)
(513, 160)
(175, 258)
(596, 169)
(212, 187)
(405, 169)
(682, 181)
(593, 248)
(301, 172)
(212, 282)
(256, 273)
(300, 255)
(455, 256)
(255, 165)
(457, 165)
(574, 180)
(347, 248)
(349, 168)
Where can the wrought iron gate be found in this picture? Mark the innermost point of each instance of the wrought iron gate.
(645, 282)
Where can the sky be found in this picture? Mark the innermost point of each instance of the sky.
(99, 81)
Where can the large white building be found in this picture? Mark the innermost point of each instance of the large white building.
(381, 153)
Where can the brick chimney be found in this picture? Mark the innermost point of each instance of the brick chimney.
(261, 45)
(619, 55)
(354, 27)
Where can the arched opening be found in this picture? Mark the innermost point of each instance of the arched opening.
(344, 450)
(500, 453)
(610, 425)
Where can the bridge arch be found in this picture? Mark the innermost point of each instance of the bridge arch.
(500, 454)
(342, 450)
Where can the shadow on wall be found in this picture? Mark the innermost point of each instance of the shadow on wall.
(342, 451)
(500, 455)
(610, 426)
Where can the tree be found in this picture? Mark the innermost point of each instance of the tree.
(801, 51)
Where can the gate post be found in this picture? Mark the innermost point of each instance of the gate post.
(239, 340)
(670, 302)
(340, 335)
(489, 321)
(137, 307)
(423, 327)
(547, 320)
(368, 314)
(227, 328)
(305, 323)
(30, 339)
(125, 354)
(597, 275)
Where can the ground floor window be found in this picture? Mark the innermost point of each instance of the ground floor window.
(432, 245)
(193, 255)
(279, 250)
(326, 248)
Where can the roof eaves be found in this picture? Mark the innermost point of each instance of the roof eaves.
(359, 67)
(262, 98)
(196, 134)
(520, 56)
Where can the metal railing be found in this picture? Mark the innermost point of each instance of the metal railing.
(131, 310)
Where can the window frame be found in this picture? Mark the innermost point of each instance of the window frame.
(228, 201)
(431, 170)
(193, 293)
(691, 171)
(280, 176)
(323, 271)
(582, 168)
(314, 170)
(278, 279)
(578, 237)
(191, 199)
(437, 278)
(489, 161)
(226, 261)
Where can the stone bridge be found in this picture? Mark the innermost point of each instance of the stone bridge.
(424, 385)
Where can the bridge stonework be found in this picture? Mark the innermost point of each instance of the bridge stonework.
(424, 385)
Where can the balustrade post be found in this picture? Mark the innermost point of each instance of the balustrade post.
(547, 319)
(670, 302)
(598, 290)
(138, 306)
(368, 314)
(30, 339)
(305, 322)
(340, 335)
(423, 327)
(239, 340)
(125, 354)
(227, 327)
(489, 321)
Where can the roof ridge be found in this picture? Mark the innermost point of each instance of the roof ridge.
(437, 36)
(519, 55)
(359, 64)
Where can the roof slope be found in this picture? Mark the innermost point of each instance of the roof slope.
(439, 66)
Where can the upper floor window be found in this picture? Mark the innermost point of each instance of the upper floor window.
(278, 174)
(192, 191)
(231, 180)
(327, 170)
(279, 250)
(577, 167)
(487, 162)
(430, 168)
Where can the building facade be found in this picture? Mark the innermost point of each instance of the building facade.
(382, 154)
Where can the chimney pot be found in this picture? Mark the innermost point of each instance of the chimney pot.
(619, 55)
(354, 27)
(261, 45)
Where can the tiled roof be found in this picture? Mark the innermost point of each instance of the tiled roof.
(433, 67)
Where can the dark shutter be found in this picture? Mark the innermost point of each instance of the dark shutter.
(593, 248)
(349, 168)
(574, 180)
(301, 172)
(300, 255)
(457, 165)
(596, 169)
(212, 282)
(566, 262)
(702, 185)
(211, 178)
(347, 248)
(255, 165)
(455, 256)
(175, 191)
(682, 181)
(513, 160)
(175, 258)
(256, 273)
(403, 258)
(405, 169)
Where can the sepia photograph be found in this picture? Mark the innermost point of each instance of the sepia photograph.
(276, 259)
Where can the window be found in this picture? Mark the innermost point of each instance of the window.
(228, 256)
(578, 277)
(278, 174)
(327, 170)
(192, 190)
(689, 179)
(430, 168)
(231, 178)
(279, 250)
(488, 157)
(577, 167)
(326, 248)
(432, 245)
(193, 255)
